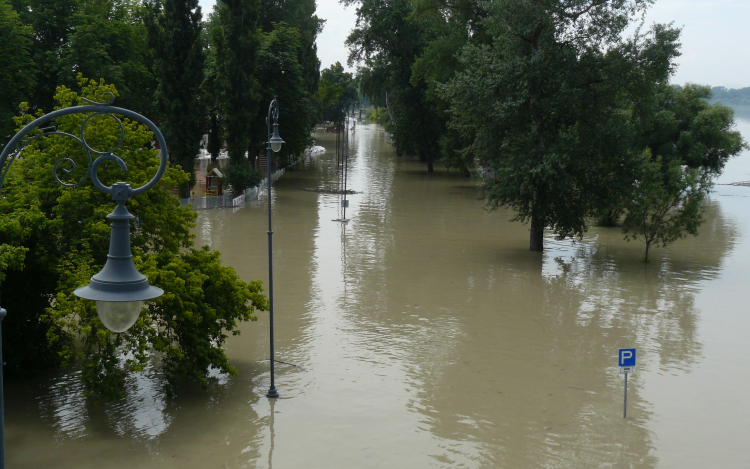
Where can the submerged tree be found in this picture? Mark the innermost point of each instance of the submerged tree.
(545, 103)
(54, 238)
(687, 142)
(388, 39)
(337, 90)
(665, 204)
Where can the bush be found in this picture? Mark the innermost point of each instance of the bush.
(241, 176)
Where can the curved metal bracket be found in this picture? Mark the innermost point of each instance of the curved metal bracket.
(118, 190)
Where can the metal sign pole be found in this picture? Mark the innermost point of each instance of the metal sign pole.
(625, 406)
(626, 361)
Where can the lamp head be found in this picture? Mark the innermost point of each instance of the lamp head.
(276, 141)
(119, 289)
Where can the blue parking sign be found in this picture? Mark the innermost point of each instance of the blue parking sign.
(626, 357)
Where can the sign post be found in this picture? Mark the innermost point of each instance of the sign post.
(626, 361)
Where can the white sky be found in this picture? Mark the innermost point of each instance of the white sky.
(715, 37)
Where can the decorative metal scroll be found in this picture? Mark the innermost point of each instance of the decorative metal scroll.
(10, 153)
(273, 113)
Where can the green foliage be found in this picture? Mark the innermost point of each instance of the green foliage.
(235, 36)
(665, 204)
(241, 175)
(545, 105)
(687, 141)
(680, 124)
(327, 99)
(17, 69)
(175, 36)
(66, 235)
(214, 136)
(336, 92)
(283, 77)
(730, 96)
(408, 48)
(102, 38)
(379, 115)
(52, 21)
(109, 40)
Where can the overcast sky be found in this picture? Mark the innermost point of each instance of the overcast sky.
(715, 37)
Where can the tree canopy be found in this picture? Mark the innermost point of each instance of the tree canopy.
(190, 77)
(175, 36)
(57, 237)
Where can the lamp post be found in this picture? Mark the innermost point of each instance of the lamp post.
(345, 203)
(274, 145)
(118, 289)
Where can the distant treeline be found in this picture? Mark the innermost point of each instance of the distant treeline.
(730, 96)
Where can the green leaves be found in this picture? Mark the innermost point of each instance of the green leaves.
(17, 68)
(687, 142)
(665, 204)
(54, 238)
(203, 301)
(175, 36)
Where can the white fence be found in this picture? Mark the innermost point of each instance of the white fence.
(222, 201)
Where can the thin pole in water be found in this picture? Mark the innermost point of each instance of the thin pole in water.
(346, 168)
(625, 405)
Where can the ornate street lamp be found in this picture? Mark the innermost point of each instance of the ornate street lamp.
(119, 289)
(345, 202)
(274, 145)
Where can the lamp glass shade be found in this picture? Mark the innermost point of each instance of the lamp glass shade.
(276, 141)
(118, 316)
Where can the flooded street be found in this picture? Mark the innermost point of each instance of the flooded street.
(424, 333)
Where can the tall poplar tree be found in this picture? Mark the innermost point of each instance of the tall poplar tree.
(176, 39)
(236, 38)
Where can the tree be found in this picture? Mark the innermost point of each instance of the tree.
(174, 31)
(336, 91)
(327, 99)
(17, 69)
(235, 37)
(687, 142)
(388, 38)
(63, 235)
(52, 22)
(109, 40)
(665, 204)
(545, 104)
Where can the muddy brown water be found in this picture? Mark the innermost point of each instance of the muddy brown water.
(425, 334)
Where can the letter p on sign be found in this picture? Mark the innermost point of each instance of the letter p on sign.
(627, 357)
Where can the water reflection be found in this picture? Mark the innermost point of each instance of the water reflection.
(424, 333)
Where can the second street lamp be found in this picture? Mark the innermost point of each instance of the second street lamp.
(274, 145)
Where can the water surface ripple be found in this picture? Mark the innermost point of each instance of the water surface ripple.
(423, 333)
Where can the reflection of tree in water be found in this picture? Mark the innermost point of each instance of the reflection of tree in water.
(513, 355)
(653, 303)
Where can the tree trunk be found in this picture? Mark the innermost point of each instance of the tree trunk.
(430, 169)
(645, 259)
(388, 108)
(536, 234)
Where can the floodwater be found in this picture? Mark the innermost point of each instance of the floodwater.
(424, 334)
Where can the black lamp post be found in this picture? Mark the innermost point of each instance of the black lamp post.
(118, 289)
(345, 144)
(274, 145)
